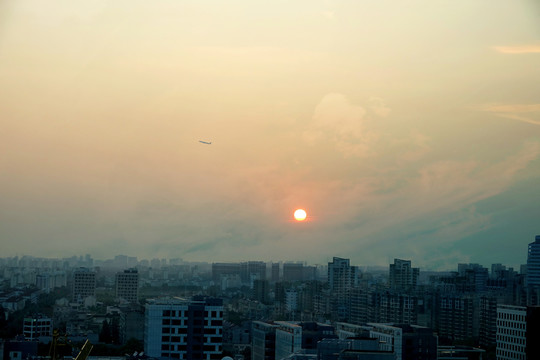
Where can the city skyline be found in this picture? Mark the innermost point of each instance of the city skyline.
(194, 131)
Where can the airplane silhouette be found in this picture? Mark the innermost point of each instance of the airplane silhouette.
(205, 142)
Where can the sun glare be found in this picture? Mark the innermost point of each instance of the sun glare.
(300, 215)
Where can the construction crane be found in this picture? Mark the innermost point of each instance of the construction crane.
(85, 350)
(62, 340)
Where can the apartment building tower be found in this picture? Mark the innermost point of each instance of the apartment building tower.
(402, 275)
(518, 331)
(84, 284)
(184, 329)
(533, 263)
(127, 286)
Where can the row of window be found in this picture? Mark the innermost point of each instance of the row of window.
(510, 339)
(183, 330)
(514, 317)
(196, 322)
(212, 342)
(509, 324)
(196, 313)
(457, 304)
(504, 354)
(181, 339)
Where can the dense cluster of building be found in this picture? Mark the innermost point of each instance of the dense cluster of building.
(335, 311)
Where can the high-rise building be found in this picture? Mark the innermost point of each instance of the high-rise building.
(127, 285)
(220, 270)
(342, 278)
(487, 321)
(261, 291)
(252, 270)
(263, 340)
(293, 272)
(246, 271)
(457, 316)
(341, 275)
(402, 275)
(533, 263)
(184, 329)
(84, 284)
(275, 273)
(518, 331)
(392, 307)
(475, 275)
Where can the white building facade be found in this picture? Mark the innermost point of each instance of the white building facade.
(511, 332)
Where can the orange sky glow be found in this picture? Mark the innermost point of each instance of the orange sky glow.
(410, 130)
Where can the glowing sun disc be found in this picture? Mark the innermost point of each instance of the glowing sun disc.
(300, 215)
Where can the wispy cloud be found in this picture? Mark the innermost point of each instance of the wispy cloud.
(519, 49)
(339, 121)
(529, 113)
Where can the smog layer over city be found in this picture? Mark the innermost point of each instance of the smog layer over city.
(276, 165)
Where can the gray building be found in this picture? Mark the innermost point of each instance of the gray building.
(84, 284)
(402, 275)
(533, 263)
(127, 286)
(184, 329)
(263, 340)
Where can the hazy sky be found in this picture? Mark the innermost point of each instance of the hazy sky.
(406, 129)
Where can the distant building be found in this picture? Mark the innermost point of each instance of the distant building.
(341, 275)
(220, 270)
(533, 263)
(184, 329)
(275, 273)
(390, 307)
(127, 286)
(84, 284)
(402, 275)
(50, 280)
(246, 271)
(261, 291)
(475, 275)
(293, 272)
(342, 278)
(252, 270)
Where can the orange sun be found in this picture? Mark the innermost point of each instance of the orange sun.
(300, 215)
